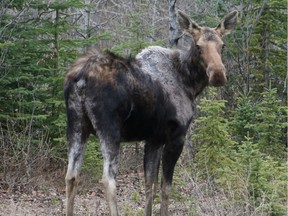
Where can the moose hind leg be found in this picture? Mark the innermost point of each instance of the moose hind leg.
(152, 158)
(75, 157)
(170, 156)
(110, 151)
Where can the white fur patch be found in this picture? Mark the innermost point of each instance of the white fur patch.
(81, 83)
(74, 166)
(158, 63)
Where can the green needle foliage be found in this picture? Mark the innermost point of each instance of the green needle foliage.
(36, 46)
(135, 36)
(269, 125)
(245, 157)
(211, 134)
(255, 179)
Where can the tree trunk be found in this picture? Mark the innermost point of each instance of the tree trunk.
(173, 25)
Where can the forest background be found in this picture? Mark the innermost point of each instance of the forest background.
(237, 146)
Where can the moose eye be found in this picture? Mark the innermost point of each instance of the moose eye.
(198, 48)
(223, 47)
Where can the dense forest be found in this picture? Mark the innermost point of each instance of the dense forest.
(236, 150)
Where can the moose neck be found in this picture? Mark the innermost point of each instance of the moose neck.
(193, 73)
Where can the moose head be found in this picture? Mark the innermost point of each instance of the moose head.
(209, 44)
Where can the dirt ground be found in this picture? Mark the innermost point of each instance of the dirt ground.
(89, 201)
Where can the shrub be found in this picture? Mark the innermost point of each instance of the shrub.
(255, 179)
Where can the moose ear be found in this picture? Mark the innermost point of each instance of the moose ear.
(187, 24)
(227, 24)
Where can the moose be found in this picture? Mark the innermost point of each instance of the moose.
(146, 98)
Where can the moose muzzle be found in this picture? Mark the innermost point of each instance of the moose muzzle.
(217, 75)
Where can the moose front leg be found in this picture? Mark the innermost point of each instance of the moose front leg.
(152, 158)
(171, 153)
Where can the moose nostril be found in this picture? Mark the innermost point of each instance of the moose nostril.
(217, 74)
(218, 82)
(217, 79)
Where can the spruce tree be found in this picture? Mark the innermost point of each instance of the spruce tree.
(212, 136)
(269, 125)
(134, 38)
(38, 42)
